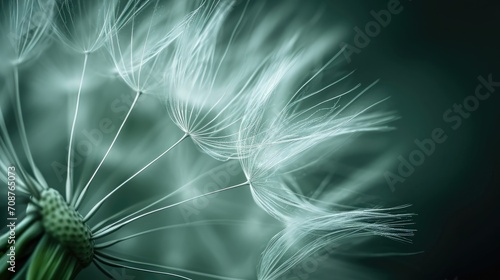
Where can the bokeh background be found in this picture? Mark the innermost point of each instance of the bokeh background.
(428, 58)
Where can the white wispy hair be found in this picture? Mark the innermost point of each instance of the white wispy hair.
(274, 142)
(290, 123)
(136, 49)
(215, 73)
(243, 100)
(277, 141)
(83, 25)
(28, 24)
(203, 87)
(310, 232)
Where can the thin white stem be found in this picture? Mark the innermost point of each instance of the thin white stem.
(110, 243)
(105, 221)
(76, 203)
(115, 226)
(98, 205)
(163, 267)
(22, 132)
(69, 171)
(100, 258)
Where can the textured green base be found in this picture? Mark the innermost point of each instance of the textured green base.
(66, 226)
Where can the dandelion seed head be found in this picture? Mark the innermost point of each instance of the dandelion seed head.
(84, 26)
(258, 89)
(138, 46)
(28, 25)
(208, 87)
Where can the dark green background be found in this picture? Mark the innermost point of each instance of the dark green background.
(428, 58)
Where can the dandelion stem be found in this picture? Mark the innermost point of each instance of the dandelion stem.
(164, 267)
(193, 224)
(69, 172)
(115, 226)
(22, 132)
(99, 225)
(98, 205)
(76, 203)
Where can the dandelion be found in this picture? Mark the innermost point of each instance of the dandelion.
(136, 57)
(28, 24)
(276, 146)
(249, 106)
(85, 26)
(278, 141)
(203, 108)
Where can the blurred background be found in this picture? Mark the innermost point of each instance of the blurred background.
(429, 57)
